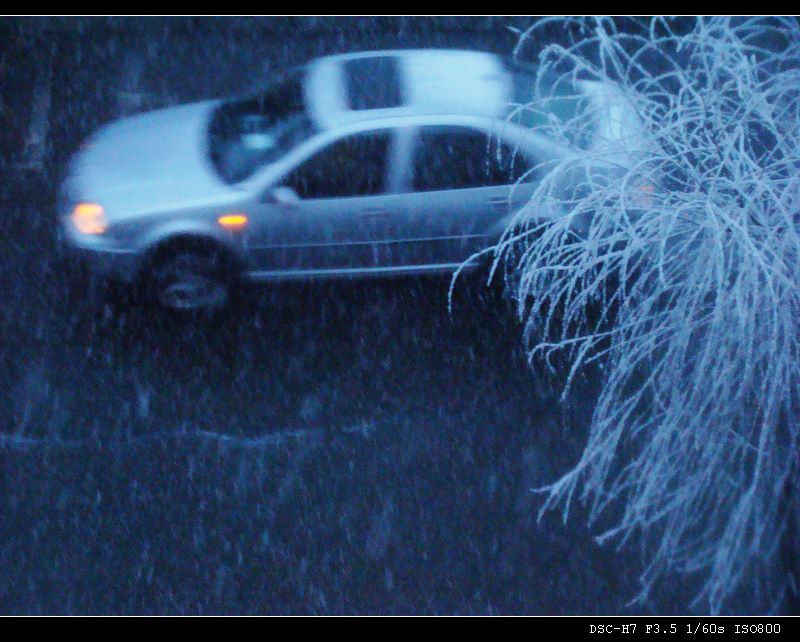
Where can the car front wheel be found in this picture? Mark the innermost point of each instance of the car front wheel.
(191, 281)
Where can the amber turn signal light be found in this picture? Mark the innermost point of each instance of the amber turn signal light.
(233, 222)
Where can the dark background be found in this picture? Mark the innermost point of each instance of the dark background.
(380, 453)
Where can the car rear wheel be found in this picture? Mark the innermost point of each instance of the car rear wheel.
(191, 281)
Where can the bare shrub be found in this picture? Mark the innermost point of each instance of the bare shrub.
(685, 247)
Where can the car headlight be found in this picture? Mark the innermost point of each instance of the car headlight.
(89, 218)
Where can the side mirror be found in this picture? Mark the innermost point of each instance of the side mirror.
(283, 196)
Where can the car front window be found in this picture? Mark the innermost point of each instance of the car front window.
(350, 167)
(247, 134)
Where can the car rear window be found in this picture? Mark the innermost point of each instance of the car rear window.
(564, 101)
(373, 83)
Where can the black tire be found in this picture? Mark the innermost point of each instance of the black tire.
(186, 281)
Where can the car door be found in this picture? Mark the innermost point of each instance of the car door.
(461, 182)
(328, 213)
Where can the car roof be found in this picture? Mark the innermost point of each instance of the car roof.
(348, 88)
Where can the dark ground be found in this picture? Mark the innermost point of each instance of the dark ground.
(383, 452)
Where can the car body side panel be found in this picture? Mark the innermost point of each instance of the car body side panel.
(449, 226)
(321, 234)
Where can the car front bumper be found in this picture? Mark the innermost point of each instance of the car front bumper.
(96, 258)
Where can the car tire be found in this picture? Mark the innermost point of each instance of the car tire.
(191, 281)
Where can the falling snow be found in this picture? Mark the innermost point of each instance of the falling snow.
(330, 447)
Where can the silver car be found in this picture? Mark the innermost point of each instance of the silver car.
(363, 164)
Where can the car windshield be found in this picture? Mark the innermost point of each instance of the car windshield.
(249, 133)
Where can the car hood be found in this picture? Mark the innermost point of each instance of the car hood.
(147, 163)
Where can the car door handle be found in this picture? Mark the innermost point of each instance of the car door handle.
(374, 212)
(499, 203)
